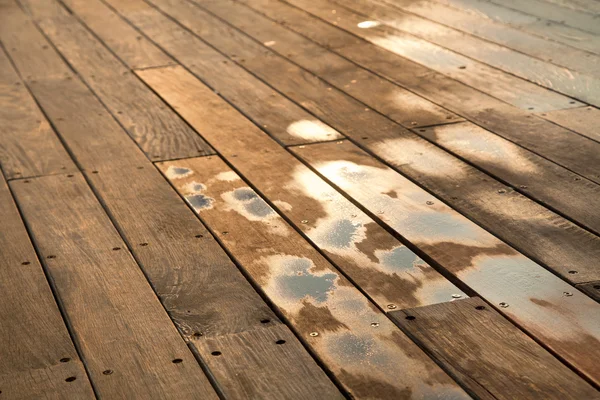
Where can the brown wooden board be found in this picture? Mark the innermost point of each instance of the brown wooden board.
(135, 352)
(592, 289)
(203, 291)
(582, 120)
(563, 247)
(561, 189)
(571, 83)
(139, 110)
(294, 125)
(28, 146)
(355, 341)
(535, 134)
(131, 47)
(37, 354)
(388, 272)
(553, 52)
(549, 309)
(491, 357)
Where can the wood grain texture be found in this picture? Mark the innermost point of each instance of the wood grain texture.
(129, 353)
(528, 131)
(131, 47)
(582, 120)
(144, 116)
(549, 309)
(32, 368)
(592, 289)
(201, 289)
(354, 340)
(386, 270)
(28, 145)
(294, 125)
(563, 247)
(489, 355)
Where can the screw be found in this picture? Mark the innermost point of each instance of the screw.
(375, 324)
(503, 305)
(456, 296)
(107, 372)
(304, 221)
(391, 306)
(501, 191)
(568, 294)
(429, 203)
(523, 186)
(314, 334)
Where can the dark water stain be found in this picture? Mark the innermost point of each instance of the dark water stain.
(366, 387)
(299, 282)
(312, 318)
(199, 201)
(259, 208)
(400, 258)
(244, 194)
(341, 234)
(180, 170)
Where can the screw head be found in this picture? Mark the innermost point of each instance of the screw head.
(501, 191)
(375, 324)
(391, 306)
(304, 221)
(429, 203)
(503, 305)
(314, 334)
(456, 296)
(568, 294)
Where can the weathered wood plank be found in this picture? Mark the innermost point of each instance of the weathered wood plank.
(564, 246)
(355, 341)
(492, 357)
(129, 353)
(140, 111)
(522, 290)
(546, 29)
(592, 289)
(506, 87)
(535, 134)
(202, 290)
(582, 120)
(554, 52)
(32, 367)
(28, 146)
(571, 83)
(386, 270)
(134, 49)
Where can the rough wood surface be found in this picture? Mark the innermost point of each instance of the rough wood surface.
(582, 120)
(592, 289)
(549, 309)
(140, 111)
(354, 340)
(129, 353)
(489, 355)
(28, 145)
(32, 367)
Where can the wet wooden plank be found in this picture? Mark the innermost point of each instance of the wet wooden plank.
(229, 79)
(139, 110)
(564, 246)
(28, 145)
(554, 52)
(535, 134)
(592, 289)
(552, 185)
(491, 357)
(189, 271)
(129, 353)
(363, 349)
(134, 49)
(583, 120)
(506, 87)
(546, 29)
(571, 83)
(32, 368)
(546, 307)
(386, 270)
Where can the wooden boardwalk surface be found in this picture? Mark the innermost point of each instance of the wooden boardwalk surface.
(300, 199)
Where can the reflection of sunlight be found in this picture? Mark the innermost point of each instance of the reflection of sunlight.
(368, 24)
(312, 130)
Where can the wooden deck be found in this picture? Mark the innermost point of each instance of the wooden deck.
(300, 199)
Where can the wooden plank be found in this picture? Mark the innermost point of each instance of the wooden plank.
(487, 151)
(28, 146)
(506, 87)
(355, 341)
(571, 83)
(582, 120)
(386, 270)
(552, 185)
(553, 52)
(564, 247)
(532, 297)
(546, 29)
(128, 353)
(533, 133)
(584, 5)
(492, 357)
(139, 110)
(32, 368)
(224, 76)
(592, 289)
(190, 272)
(131, 47)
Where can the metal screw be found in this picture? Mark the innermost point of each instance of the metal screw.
(314, 334)
(456, 296)
(501, 191)
(568, 294)
(375, 324)
(523, 186)
(304, 221)
(503, 305)
(429, 203)
(391, 306)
